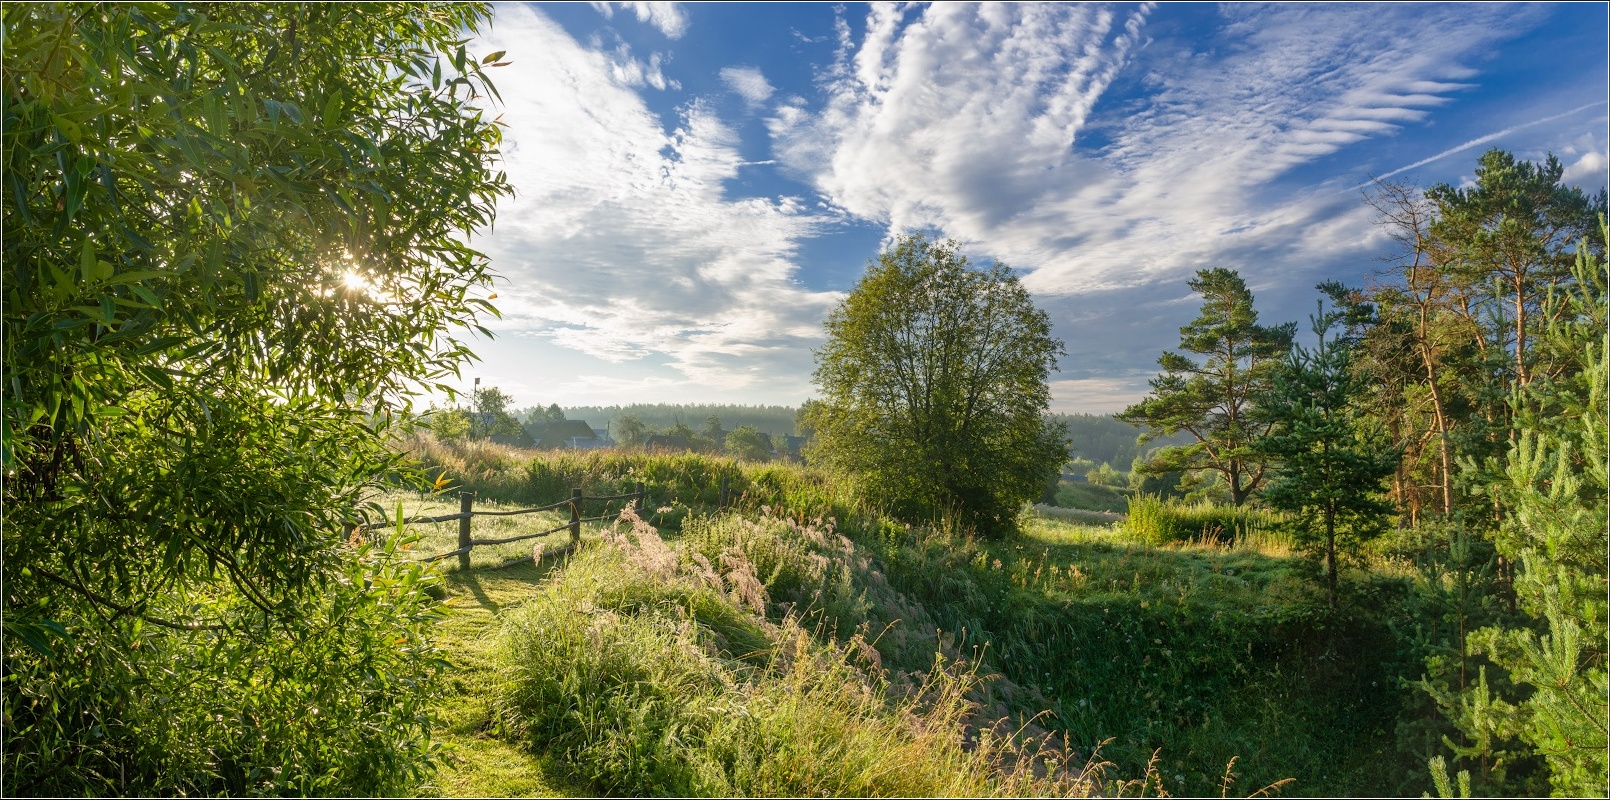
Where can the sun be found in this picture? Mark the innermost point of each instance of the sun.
(355, 280)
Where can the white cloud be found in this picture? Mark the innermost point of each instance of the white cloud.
(621, 242)
(1588, 171)
(667, 17)
(748, 83)
(988, 124)
(1097, 395)
(629, 71)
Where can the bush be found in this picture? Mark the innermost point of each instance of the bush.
(337, 705)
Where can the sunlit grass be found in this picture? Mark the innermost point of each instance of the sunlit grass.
(478, 762)
(1200, 645)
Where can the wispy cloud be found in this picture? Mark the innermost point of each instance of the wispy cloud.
(748, 83)
(628, 70)
(958, 115)
(1491, 137)
(621, 242)
(993, 125)
(667, 17)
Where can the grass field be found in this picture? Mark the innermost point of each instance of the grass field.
(1192, 643)
(1132, 640)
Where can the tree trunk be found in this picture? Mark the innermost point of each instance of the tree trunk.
(1439, 411)
(1522, 375)
(1330, 555)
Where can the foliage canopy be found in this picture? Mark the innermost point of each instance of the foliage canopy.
(235, 235)
(934, 388)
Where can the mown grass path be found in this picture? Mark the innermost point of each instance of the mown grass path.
(479, 763)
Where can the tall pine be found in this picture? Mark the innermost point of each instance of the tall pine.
(1553, 493)
(1216, 400)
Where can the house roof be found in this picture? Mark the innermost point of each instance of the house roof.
(668, 442)
(556, 434)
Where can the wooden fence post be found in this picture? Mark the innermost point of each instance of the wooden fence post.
(575, 517)
(722, 502)
(637, 502)
(466, 504)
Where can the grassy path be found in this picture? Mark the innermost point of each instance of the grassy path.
(480, 764)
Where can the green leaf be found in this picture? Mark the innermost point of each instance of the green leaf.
(86, 261)
(493, 57)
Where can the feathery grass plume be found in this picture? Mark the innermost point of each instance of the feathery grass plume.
(648, 673)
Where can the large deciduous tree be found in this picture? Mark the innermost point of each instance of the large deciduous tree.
(235, 235)
(1216, 400)
(934, 388)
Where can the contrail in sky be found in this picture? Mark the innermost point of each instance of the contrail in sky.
(1478, 141)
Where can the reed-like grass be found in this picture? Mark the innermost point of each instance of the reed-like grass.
(655, 674)
(1156, 521)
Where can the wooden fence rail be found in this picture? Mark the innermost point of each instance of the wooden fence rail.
(467, 511)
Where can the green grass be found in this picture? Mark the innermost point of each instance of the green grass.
(643, 670)
(1205, 647)
(1091, 497)
(1078, 516)
(1207, 650)
(479, 763)
(1157, 521)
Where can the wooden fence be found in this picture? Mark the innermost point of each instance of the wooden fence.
(467, 511)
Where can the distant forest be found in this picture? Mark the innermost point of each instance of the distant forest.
(662, 416)
(1097, 438)
(1100, 439)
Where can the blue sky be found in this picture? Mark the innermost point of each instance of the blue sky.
(699, 184)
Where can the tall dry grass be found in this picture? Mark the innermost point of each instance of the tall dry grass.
(653, 672)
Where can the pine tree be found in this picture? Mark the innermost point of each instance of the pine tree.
(1555, 529)
(1215, 401)
(1331, 462)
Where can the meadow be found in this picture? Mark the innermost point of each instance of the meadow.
(797, 643)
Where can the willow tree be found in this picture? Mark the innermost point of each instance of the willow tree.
(235, 236)
(1216, 400)
(934, 388)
